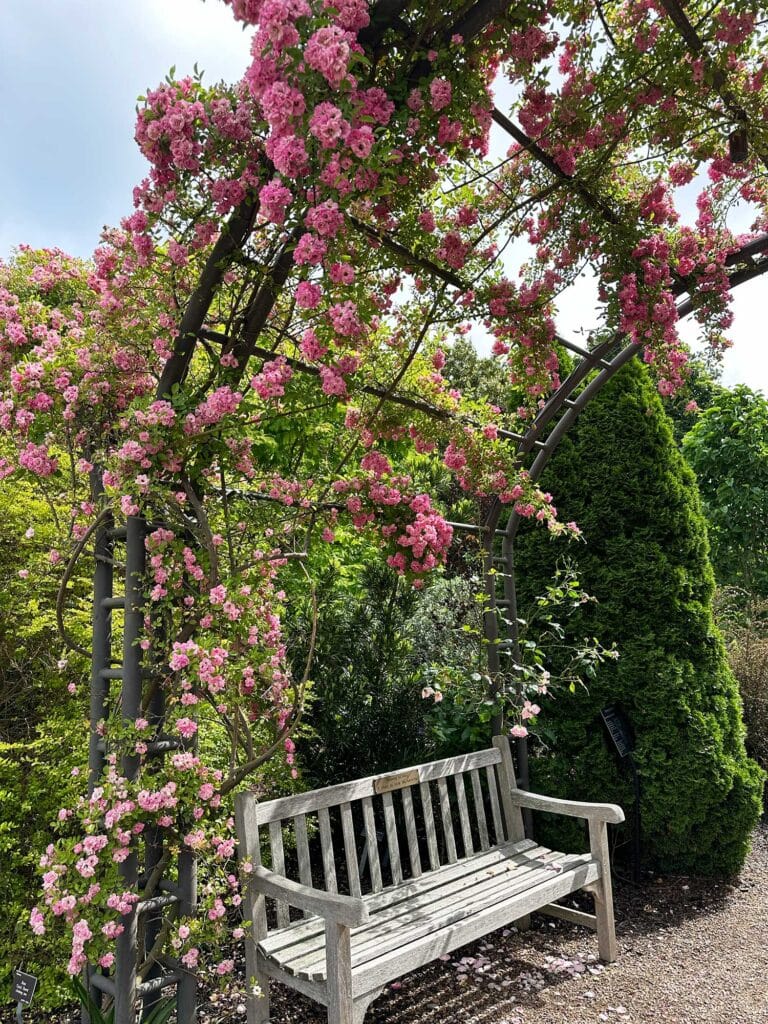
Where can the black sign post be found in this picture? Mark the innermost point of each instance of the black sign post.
(23, 990)
(622, 736)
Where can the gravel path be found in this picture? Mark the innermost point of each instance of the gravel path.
(691, 952)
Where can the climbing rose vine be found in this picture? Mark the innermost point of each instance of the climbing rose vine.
(252, 360)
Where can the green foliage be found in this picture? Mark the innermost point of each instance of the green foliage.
(35, 781)
(745, 627)
(467, 707)
(43, 729)
(700, 390)
(366, 713)
(728, 450)
(159, 1015)
(645, 560)
(378, 648)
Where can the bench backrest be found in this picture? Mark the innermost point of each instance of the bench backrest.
(379, 831)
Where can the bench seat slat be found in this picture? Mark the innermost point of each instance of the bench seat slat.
(347, 792)
(466, 828)
(373, 844)
(391, 923)
(392, 842)
(429, 825)
(410, 830)
(477, 895)
(326, 846)
(493, 793)
(412, 888)
(302, 850)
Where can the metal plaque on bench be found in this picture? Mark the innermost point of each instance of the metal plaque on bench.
(387, 783)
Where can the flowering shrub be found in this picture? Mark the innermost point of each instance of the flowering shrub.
(253, 358)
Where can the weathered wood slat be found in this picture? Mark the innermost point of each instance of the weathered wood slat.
(254, 902)
(429, 825)
(278, 866)
(462, 903)
(425, 886)
(339, 982)
(374, 867)
(332, 907)
(570, 914)
(513, 816)
(571, 808)
(326, 846)
(399, 923)
(302, 850)
(392, 842)
(493, 794)
(466, 828)
(445, 812)
(410, 831)
(477, 794)
(371, 976)
(347, 792)
(350, 850)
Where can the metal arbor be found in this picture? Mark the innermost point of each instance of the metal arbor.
(168, 880)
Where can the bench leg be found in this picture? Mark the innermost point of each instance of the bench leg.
(338, 954)
(258, 1004)
(523, 923)
(603, 893)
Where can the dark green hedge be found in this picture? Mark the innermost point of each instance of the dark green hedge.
(620, 476)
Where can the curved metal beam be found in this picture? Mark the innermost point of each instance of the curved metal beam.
(748, 269)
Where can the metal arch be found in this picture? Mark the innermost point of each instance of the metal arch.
(124, 985)
(748, 268)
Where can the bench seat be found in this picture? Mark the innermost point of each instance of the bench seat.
(419, 920)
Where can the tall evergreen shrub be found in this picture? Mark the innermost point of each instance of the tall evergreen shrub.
(645, 560)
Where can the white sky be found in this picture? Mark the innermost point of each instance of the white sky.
(69, 77)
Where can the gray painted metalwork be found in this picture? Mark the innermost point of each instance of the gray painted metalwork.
(131, 992)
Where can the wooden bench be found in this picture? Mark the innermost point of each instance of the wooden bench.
(415, 864)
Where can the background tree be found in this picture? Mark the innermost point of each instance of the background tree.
(728, 450)
(645, 560)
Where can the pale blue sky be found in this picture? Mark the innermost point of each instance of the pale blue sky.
(70, 72)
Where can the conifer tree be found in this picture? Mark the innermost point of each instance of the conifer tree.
(646, 561)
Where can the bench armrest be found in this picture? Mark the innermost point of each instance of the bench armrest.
(572, 808)
(347, 910)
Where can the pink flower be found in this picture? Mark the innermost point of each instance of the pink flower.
(36, 921)
(440, 93)
(518, 731)
(328, 125)
(187, 727)
(326, 219)
(360, 141)
(309, 249)
(308, 295)
(274, 199)
(191, 958)
(327, 51)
